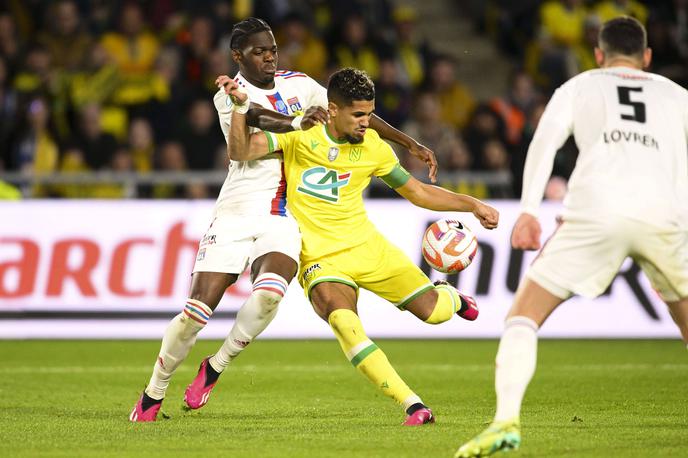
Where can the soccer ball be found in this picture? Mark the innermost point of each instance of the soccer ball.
(449, 246)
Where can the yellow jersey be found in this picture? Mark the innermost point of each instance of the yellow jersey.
(325, 183)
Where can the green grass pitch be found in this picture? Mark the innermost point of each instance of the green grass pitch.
(302, 399)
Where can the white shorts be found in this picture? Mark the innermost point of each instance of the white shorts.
(583, 257)
(233, 242)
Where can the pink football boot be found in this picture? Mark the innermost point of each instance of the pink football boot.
(138, 415)
(469, 309)
(420, 417)
(198, 392)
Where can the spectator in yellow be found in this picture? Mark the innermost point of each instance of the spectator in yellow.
(66, 41)
(353, 50)
(456, 101)
(562, 21)
(37, 74)
(583, 54)
(133, 50)
(302, 49)
(73, 162)
(97, 83)
(412, 51)
(610, 9)
(141, 144)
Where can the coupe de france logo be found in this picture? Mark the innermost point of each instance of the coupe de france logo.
(332, 153)
(323, 183)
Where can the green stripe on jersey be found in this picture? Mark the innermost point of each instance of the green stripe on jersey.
(397, 177)
(272, 141)
(356, 360)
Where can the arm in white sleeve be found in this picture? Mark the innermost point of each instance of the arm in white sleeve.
(223, 105)
(554, 128)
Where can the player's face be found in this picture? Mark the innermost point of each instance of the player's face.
(258, 59)
(353, 120)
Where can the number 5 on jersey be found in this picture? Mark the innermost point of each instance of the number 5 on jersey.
(638, 107)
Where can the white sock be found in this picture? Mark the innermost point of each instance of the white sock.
(516, 359)
(179, 337)
(253, 317)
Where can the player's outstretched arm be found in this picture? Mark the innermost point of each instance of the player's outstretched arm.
(272, 121)
(422, 152)
(436, 198)
(278, 123)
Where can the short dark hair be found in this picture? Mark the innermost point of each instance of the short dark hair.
(349, 84)
(244, 29)
(624, 36)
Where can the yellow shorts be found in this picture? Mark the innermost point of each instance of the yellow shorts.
(376, 265)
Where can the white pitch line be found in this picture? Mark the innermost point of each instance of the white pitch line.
(334, 368)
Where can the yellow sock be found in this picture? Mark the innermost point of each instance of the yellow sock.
(368, 358)
(447, 305)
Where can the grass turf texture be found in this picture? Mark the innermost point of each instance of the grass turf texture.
(302, 399)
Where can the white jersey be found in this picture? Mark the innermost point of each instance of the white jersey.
(259, 187)
(631, 129)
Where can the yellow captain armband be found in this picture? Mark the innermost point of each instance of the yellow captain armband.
(397, 177)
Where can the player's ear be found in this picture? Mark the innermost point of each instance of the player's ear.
(237, 56)
(647, 57)
(332, 109)
(599, 56)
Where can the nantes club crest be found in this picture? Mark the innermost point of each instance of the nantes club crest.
(323, 183)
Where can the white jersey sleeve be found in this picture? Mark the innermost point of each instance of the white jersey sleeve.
(223, 105)
(554, 128)
(318, 97)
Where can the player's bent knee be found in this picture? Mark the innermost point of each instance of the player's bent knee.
(269, 289)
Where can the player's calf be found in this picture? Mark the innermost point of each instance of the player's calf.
(253, 317)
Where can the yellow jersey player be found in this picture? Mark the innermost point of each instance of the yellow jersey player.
(327, 169)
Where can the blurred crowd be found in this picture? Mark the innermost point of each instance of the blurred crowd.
(548, 42)
(96, 85)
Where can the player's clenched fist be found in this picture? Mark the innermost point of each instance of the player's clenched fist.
(221, 80)
(232, 89)
(488, 216)
(526, 233)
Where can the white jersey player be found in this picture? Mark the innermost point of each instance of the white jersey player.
(627, 197)
(257, 187)
(250, 224)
